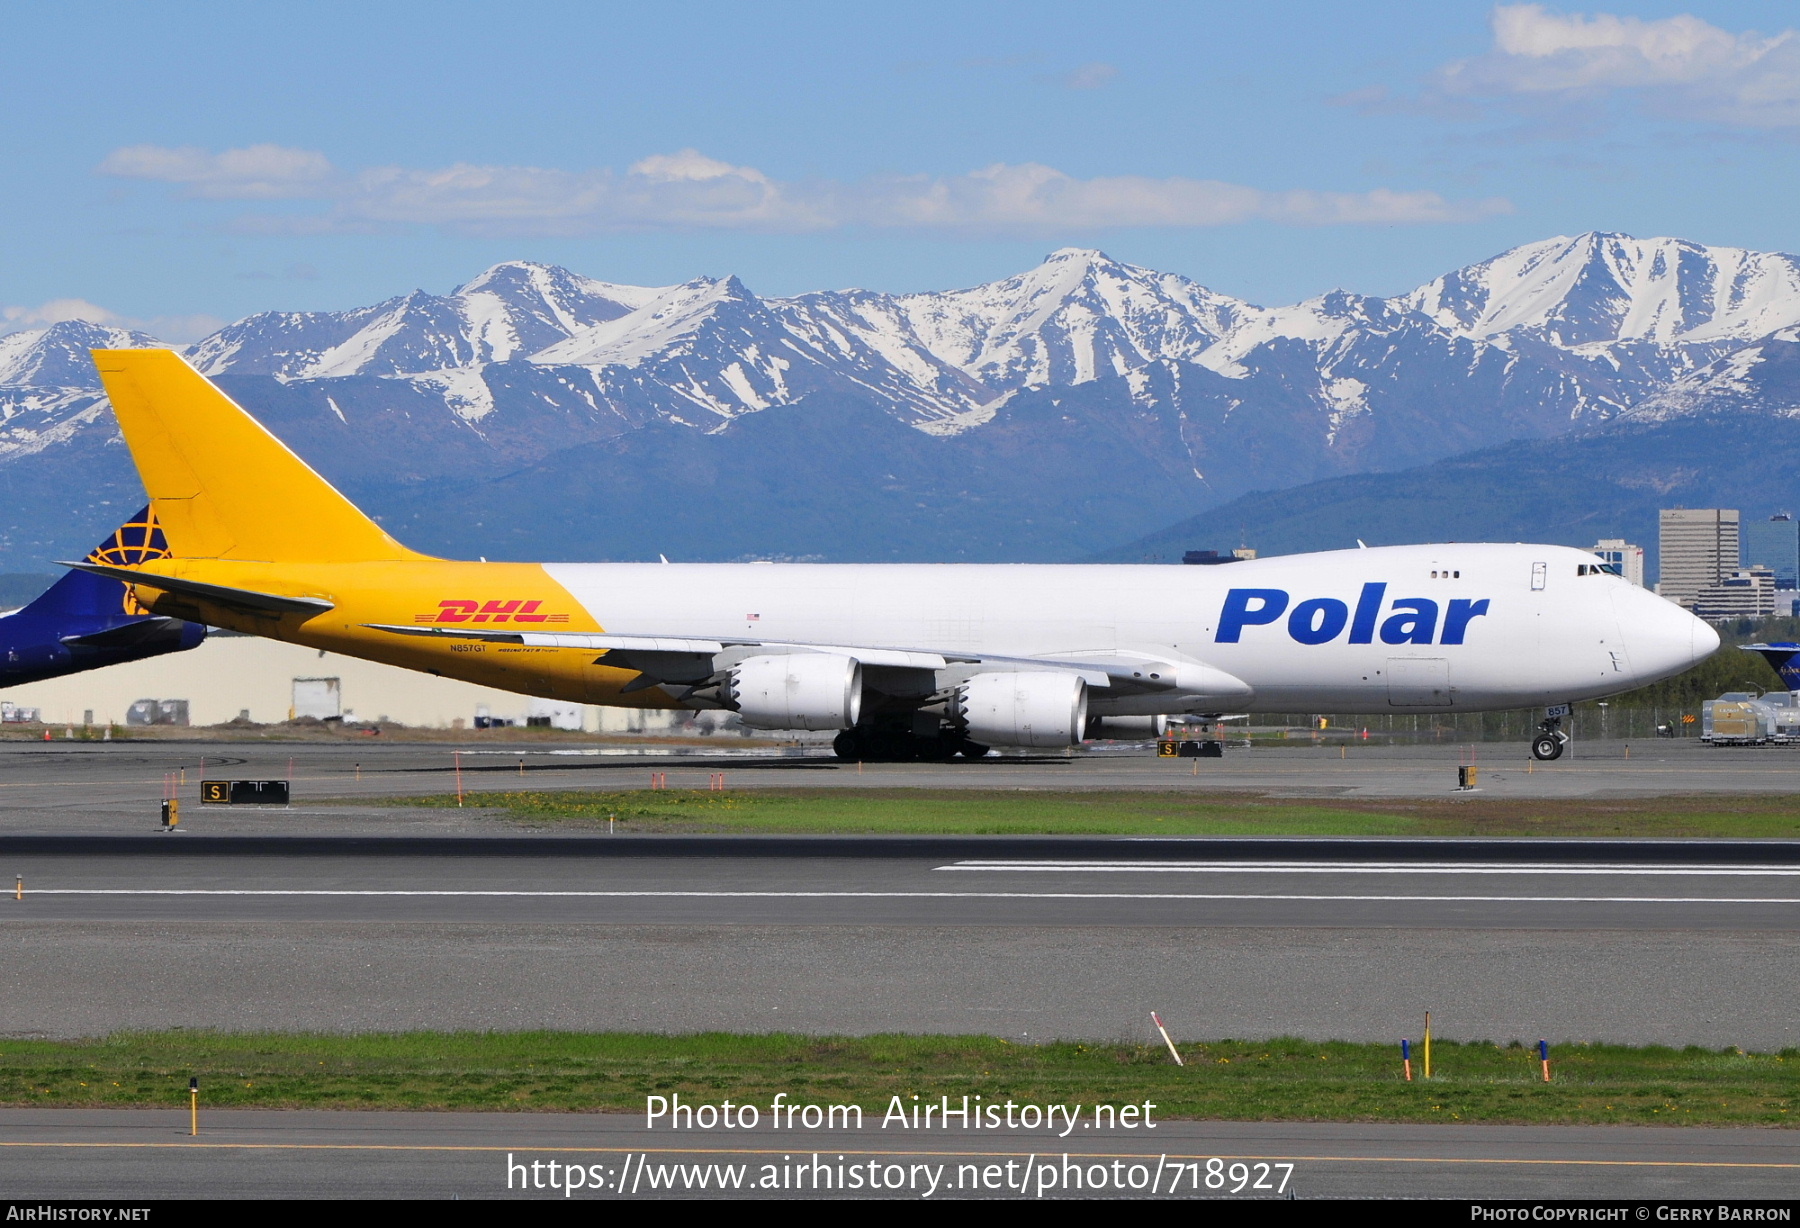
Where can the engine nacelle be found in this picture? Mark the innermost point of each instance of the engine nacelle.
(1037, 708)
(1133, 728)
(807, 690)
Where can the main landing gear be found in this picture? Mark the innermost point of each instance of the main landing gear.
(868, 744)
(1550, 739)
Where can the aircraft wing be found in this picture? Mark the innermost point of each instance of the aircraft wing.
(681, 659)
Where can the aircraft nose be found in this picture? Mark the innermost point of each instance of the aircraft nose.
(1662, 638)
(1705, 639)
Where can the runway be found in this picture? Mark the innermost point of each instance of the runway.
(902, 881)
(1673, 942)
(145, 1155)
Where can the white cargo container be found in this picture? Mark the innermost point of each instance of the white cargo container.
(320, 698)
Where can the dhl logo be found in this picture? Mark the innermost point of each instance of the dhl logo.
(493, 611)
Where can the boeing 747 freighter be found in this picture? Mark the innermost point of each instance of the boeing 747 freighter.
(903, 660)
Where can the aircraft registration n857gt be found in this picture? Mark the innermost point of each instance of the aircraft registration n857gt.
(905, 660)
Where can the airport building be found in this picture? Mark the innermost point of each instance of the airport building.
(231, 677)
(1698, 549)
(1623, 557)
(1774, 543)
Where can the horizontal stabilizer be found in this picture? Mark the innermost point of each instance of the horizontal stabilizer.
(133, 634)
(236, 598)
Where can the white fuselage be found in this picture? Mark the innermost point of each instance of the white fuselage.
(1412, 628)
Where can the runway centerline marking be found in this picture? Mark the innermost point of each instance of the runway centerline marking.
(1627, 870)
(899, 895)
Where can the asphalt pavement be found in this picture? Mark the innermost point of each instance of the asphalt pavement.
(1682, 943)
(381, 917)
(148, 1155)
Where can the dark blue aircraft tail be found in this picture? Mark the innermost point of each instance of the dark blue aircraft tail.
(81, 594)
(1784, 659)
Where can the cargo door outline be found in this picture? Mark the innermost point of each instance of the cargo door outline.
(1419, 682)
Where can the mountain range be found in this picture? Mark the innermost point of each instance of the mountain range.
(534, 412)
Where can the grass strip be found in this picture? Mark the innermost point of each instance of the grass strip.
(1127, 812)
(1276, 1080)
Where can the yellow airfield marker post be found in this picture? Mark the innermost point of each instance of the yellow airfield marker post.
(1427, 1045)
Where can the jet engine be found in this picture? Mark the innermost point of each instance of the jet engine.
(806, 690)
(1031, 708)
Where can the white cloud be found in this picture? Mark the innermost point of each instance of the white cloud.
(12, 319)
(692, 165)
(1036, 198)
(1090, 76)
(258, 172)
(164, 328)
(688, 190)
(1680, 65)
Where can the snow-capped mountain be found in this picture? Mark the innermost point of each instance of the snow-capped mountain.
(57, 356)
(1763, 379)
(510, 311)
(1025, 376)
(1560, 332)
(1078, 316)
(1597, 289)
(49, 391)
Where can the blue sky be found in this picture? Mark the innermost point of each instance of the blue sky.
(176, 165)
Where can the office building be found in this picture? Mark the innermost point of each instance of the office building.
(1622, 557)
(1774, 543)
(1746, 593)
(1698, 548)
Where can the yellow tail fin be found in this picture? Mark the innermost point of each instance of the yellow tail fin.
(221, 486)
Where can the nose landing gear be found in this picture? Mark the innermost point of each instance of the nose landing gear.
(1550, 739)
